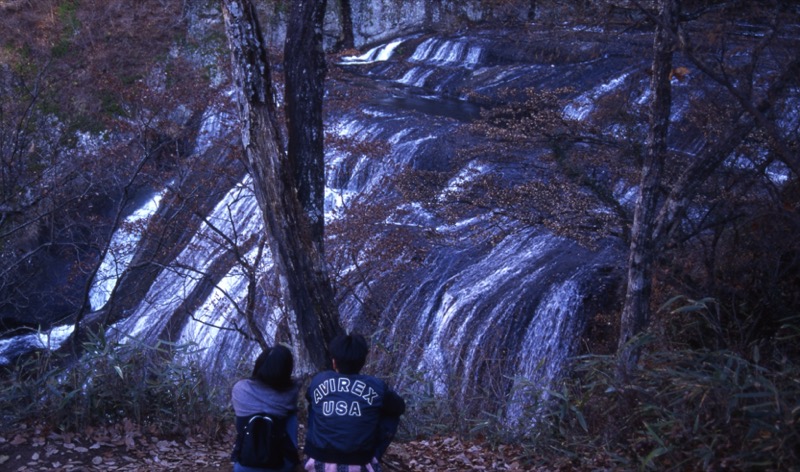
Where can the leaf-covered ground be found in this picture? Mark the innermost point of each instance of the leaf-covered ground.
(126, 448)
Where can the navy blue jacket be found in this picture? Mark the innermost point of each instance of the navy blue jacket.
(345, 414)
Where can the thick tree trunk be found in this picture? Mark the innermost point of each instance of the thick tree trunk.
(307, 291)
(636, 310)
(348, 37)
(304, 65)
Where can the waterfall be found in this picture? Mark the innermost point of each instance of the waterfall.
(423, 50)
(491, 299)
(234, 220)
(446, 52)
(472, 302)
(376, 54)
(464, 304)
(50, 339)
(524, 295)
(544, 355)
(123, 243)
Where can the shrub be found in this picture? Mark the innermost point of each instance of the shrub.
(114, 383)
(683, 409)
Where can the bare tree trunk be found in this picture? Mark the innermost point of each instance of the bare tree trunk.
(636, 310)
(652, 231)
(307, 291)
(304, 65)
(532, 11)
(348, 36)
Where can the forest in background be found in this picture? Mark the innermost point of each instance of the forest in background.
(718, 384)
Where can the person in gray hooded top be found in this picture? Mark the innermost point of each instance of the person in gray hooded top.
(271, 390)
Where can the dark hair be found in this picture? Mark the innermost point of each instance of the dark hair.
(274, 367)
(350, 352)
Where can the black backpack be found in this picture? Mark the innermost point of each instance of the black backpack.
(262, 442)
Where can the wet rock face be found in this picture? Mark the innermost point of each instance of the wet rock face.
(472, 299)
(379, 20)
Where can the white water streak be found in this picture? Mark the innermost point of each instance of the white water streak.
(51, 340)
(580, 108)
(376, 54)
(415, 77)
(462, 305)
(447, 53)
(238, 217)
(120, 252)
(542, 354)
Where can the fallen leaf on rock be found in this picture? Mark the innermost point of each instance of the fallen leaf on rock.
(166, 445)
(463, 459)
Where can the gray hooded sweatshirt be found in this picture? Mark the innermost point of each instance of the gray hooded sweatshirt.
(251, 396)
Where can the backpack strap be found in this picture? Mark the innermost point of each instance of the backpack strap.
(261, 443)
(260, 416)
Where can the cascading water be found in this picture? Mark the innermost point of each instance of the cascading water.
(120, 252)
(474, 302)
(483, 307)
(234, 220)
(376, 54)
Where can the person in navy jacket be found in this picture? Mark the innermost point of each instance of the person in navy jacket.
(352, 417)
